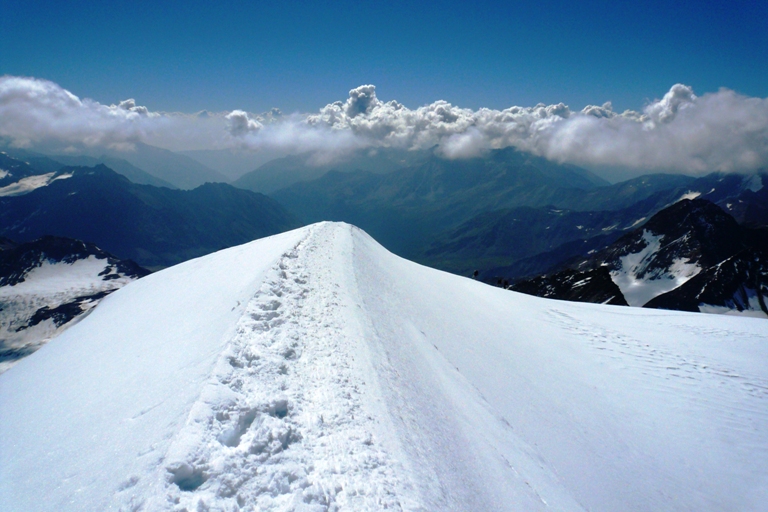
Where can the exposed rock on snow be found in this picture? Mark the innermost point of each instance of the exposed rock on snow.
(691, 256)
(47, 285)
(640, 280)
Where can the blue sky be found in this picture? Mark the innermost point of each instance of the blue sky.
(299, 56)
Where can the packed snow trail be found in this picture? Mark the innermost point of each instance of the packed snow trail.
(316, 371)
(282, 423)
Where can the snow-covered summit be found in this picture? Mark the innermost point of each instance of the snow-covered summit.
(314, 370)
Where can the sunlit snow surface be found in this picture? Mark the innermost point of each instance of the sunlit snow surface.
(30, 183)
(316, 371)
(689, 195)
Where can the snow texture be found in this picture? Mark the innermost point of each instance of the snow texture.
(314, 370)
(30, 183)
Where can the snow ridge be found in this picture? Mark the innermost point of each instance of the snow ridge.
(281, 424)
(314, 370)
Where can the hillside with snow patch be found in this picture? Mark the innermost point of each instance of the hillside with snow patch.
(48, 285)
(691, 256)
(314, 370)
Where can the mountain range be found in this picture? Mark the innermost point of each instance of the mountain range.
(405, 207)
(141, 163)
(155, 226)
(508, 215)
(504, 217)
(286, 171)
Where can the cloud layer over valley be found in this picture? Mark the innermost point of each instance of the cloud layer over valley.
(680, 132)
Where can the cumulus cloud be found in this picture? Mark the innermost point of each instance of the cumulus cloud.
(36, 110)
(130, 106)
(39, 113)
(679, 97)
(680, 132)
(722, 131)
(240, 124)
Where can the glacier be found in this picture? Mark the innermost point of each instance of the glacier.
(314, 370)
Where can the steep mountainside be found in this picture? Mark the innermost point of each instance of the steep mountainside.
(180, 171)
(692, 241)
(594, 285)
(118, 165)
(750, 205)
(48, 284)
(548, 261)
(13, 170)
(151, 225)
(515, 244)
(314, 370)
(18, 178)
(656, 190)
(737, 284)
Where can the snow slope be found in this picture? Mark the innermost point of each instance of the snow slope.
(314, 370)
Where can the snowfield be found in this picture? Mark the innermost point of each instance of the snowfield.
(315, 371)
(30, 183)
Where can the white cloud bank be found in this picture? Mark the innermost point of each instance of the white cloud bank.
(722, 131)
(40, 113)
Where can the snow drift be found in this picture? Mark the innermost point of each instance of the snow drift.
(314, 370)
